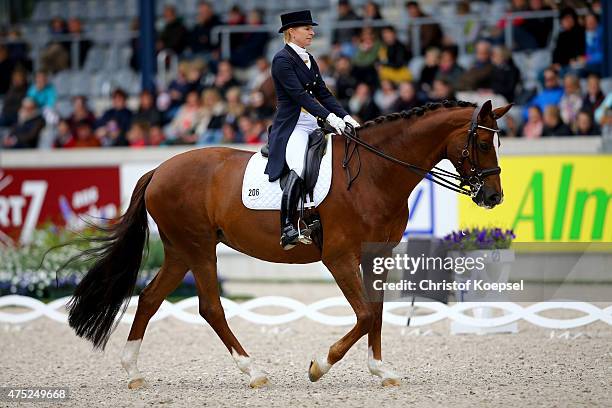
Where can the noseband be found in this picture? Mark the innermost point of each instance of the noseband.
(474, 180)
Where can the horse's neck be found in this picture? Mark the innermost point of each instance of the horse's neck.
(420, 142)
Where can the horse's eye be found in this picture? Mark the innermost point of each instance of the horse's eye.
(484, 146)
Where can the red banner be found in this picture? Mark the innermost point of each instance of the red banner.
(62, 196)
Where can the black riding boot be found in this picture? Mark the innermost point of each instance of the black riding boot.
(291, 194)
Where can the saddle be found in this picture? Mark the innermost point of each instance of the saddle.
(312, 160)
(317, 145)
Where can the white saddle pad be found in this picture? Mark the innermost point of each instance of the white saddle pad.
(259, 194)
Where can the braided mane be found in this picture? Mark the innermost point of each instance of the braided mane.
(417, 111)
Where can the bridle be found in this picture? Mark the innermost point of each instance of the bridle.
(474, 180)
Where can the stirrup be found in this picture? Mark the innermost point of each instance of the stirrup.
(305, 233)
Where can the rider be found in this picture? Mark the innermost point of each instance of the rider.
(302, 98)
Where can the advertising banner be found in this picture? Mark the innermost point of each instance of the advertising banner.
(550, 199)
(62, 196)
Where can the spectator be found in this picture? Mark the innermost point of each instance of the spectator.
(224, 79)
(18, 49)
(385, 96)
(505, 76)
(540, 28)
(80, 113)
(510, 128)
(174, 35)
(371, 12)
(345, 80)
(42, 92)
(252, 130)
(603, 114)
(534, 126)
(201, 42)
(261, 74)
(366, 56)
(594, 95)
(177, 89)
(26, 132)
(594, 44)
(156, 136)
(135, 45)
(407, 98)
(6, 70)
(585, 126)
(112, 127)
(235, 107)
(258, 106)
(471, 25)
(343, 37)
(230, 134)
(212, 119)
(448, 68)
(522, 38)
(195, 76)
(138, 135)
(479, 76)
(75, 31)
(442, 90)
(553, 125)
(393, 57)
(430, 34)
(55, 56)
(550, 95)
(63, 135)
(182, 129)
(147, 111)
(236, 17)
(362, 105)
(83, 136)
(570, 46)
(430, 69)
(253, 44)
(325, 68)
(13, 99)
(571, 101)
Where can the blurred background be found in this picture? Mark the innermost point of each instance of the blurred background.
(93, 93)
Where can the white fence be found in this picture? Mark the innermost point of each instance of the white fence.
(457, 312)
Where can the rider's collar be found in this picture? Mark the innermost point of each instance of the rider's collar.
(300, 51)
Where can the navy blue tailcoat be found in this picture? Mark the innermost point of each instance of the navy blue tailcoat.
(296, 86)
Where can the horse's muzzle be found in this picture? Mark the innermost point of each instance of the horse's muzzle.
(488, 197)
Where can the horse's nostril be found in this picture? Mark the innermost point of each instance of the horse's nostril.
(495, 198)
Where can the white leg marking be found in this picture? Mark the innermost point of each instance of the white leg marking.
(324, 366)
(257, 376)
(129, 359)
(378, 369)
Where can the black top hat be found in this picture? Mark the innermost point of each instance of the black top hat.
(296, 19)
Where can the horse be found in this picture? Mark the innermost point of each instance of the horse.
(195, 199)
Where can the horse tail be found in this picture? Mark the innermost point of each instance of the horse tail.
(109, 284)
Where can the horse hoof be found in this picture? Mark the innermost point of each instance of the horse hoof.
(136, 383)
(391, 382)
(314, 371)
(258, 382)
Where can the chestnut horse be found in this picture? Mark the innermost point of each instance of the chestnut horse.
(195, 199)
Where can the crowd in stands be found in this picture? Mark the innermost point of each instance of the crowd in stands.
(368, 69)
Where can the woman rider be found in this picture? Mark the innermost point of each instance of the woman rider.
(302, 99)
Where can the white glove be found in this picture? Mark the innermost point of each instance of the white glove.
(349, 119)
(335, 122)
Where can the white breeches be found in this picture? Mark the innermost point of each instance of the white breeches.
(298, 142)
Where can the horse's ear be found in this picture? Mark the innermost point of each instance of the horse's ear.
(485, 110)
(501, 111)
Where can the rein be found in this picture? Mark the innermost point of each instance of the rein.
(437, 175)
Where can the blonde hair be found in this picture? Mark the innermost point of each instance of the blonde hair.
(287, 36)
